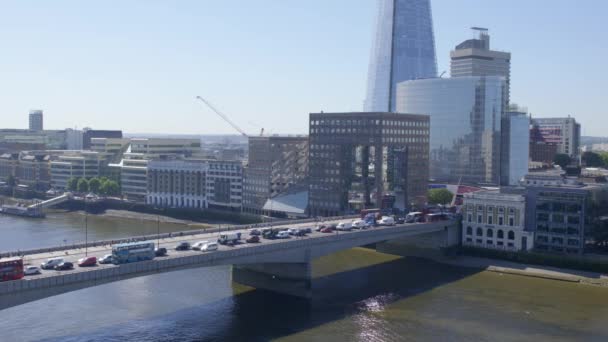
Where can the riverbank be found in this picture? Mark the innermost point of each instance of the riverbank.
(545, 272)
(135, 216)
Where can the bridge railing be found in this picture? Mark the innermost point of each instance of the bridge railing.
(218, 228)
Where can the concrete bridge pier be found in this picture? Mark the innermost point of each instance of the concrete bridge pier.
(294, 279)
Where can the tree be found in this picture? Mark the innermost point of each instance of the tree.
(109, 188)
(72, 184)
(440, 196)
(94, 185)
(83, 185)
(11, 181)
(604, 156)
(592, 159)
(562, 160)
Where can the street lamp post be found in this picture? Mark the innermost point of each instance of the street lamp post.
(158, 230)
(86, 229)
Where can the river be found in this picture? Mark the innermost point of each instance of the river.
(359, 295)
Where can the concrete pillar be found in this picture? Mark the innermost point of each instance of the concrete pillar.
(293, 279)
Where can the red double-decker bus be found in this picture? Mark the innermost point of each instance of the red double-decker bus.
(11, 269)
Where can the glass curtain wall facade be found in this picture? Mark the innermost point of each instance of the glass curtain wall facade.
(465, 112)
(515, 147)
(403, 49)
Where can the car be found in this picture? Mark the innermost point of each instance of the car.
(64, 266)
(293, 231)
(183, 246)
(320, 227)
(400, 220)
(360, 224)
(31, 270)
(345, 226)
(327, 230)
(50, 264)
(283, 235)
(387, 221)
(253, 239)
(106, 259)
(197, 246)
(255, 232)
(160, 251)
(306, 230)
(87, 261)
(211, 246)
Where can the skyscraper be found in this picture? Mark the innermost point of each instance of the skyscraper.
(403, 49)
(473, 57)
(36, 122)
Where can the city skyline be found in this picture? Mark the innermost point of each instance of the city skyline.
(134, 69)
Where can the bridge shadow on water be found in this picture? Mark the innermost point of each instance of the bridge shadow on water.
(258, 315)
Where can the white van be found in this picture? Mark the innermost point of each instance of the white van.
(197, 246)
(50, 264)
(360, 224)
(387, 221)
(344, 226)
(209, 247)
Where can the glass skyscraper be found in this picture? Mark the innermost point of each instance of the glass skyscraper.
(466, 120)
(403, 49)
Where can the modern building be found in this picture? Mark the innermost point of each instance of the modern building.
(515, 147)
(496, 220)
(473, 57)
(36, 120)
(276, 163)
(74, 139)
(89, 134)
(367, 160)
(465, 125)
(48, 139)
(403, 49)
(558, 209)
(542, 151)
(565, 133)
(77, 164)
(133, 167)
(195, 184)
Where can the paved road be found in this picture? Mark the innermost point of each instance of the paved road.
(73, 255)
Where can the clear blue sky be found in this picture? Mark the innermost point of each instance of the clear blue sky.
(138, 64)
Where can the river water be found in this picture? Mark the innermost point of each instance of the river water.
(359, 295)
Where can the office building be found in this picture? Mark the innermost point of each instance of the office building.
(465, 126)
(557, 210)
(367, 160)
(88, 134)
(473, 57)
(36, 121)
(77, 164)
(74, 139)
(34, 170)
(403, 49)
(195, 184)
(515, 147)
(276, 163)
(33, 140)
(495, 220)
(565, 133)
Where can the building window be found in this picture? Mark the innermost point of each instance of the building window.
(479, 232)
(469, 231)
(500, 221)
(470, 218)
(489, 242)
(490, 219)
(511, 235)
(511, 221)
(479, 219)
(501, 235)
(490, 233)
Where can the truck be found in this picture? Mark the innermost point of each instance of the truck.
(229, 238)
(125, 253)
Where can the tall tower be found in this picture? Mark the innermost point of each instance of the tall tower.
(473, 57)
(36, 122)
(403, 50)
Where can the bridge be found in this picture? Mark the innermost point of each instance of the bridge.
(53, 201)
(282, 265)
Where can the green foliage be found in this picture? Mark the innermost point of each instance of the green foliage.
(94, 185)
(11, 181)
(83, 185)
(440, 196)
(109, 188)
(592, 159)
(72, 184)
(604, 156)
(562, 160)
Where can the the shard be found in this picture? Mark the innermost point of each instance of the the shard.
(403, 49)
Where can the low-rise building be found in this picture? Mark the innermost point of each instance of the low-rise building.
(34, 170)
(496, 220)
(8, 165)
(195, 184)
(77, 164)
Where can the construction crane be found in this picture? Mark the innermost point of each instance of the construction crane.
(221, 115)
